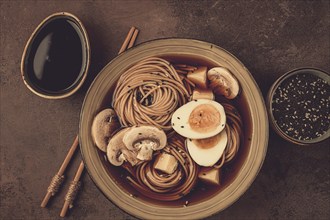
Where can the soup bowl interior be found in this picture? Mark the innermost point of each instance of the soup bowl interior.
(204, 200)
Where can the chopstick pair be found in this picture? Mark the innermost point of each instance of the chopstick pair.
(58, 179)
(129, 40)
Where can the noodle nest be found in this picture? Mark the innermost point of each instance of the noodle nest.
(148, 93)
(165, 187)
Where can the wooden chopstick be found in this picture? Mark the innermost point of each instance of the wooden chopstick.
(58, 178)
(73, 189)
(74, 186)
(127, 40)
(133, 39)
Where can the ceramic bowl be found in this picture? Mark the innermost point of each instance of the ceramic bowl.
(239, 175)
(56, 57)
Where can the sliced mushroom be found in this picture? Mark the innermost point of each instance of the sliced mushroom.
(199, 77)
(223, 82)
(117, 152)
(145, 139)
(105, 124)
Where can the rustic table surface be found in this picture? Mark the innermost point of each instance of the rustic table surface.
(269, 37)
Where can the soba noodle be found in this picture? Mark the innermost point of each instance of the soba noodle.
(157, 185)
(148, 93)
(234, 134)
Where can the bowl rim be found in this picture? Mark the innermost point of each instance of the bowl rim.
(81, 78)
(311, 70)
(248, 171)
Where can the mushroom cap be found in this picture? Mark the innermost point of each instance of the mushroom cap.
(145, 138)
(223, 82)
(117, 152)
(104, 126)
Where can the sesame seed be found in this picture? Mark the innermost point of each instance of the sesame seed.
(301, 106)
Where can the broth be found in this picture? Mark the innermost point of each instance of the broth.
(201, 191)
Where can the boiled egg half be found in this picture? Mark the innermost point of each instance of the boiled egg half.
(206, 152)
(198, 119)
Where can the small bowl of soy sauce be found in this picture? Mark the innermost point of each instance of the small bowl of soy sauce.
(298, 105)
(56, 57)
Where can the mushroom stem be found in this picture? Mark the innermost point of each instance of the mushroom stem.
(145, 153)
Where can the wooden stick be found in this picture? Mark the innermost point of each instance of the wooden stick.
(128, 38)
(68, 200)
(60, 172)
(133, 39)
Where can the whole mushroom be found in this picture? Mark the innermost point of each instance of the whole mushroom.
(223, 82)
(117, 152)
(105, 124)
(145, 139)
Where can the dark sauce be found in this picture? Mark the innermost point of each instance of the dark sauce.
(56, 56)
(201, 191)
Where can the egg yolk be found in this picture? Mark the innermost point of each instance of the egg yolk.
(204, 118)
(207, 143)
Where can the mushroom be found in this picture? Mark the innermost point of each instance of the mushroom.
(199, 77)
(104, 126)
(117, 152)
(145, 139)
(223, 82)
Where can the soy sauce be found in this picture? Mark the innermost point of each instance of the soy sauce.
(56, 57)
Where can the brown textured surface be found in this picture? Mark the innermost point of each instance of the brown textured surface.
(270, 38)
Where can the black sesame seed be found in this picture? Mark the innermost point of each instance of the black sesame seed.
(300, 104)
(178, 118)
(182, 126)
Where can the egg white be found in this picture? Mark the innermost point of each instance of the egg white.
(207, 156)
